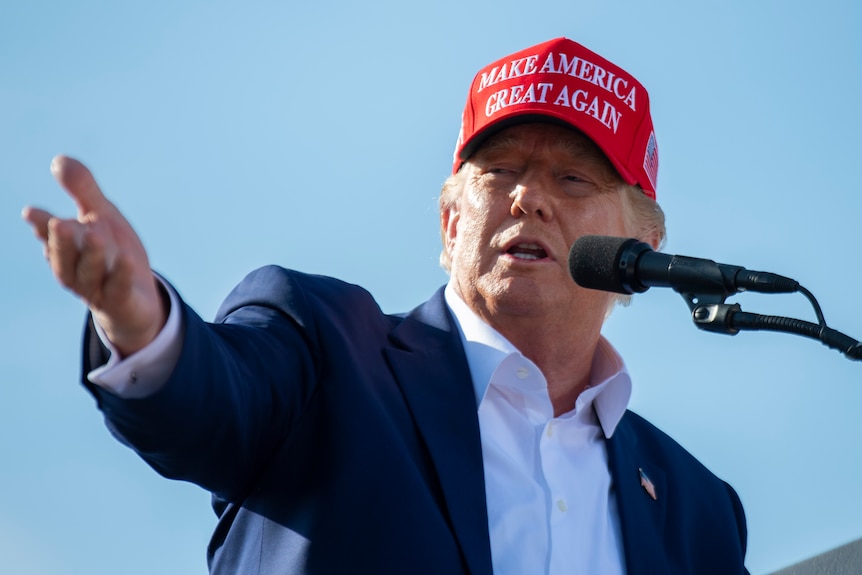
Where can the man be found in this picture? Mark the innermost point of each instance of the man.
(485, 431)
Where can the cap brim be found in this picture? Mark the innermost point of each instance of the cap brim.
(526, 117)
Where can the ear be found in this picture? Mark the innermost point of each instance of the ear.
(654, 240)
(449, 218)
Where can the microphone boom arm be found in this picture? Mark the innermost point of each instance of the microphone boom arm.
(710, 313)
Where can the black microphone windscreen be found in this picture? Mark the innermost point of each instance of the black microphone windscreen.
(593, 262)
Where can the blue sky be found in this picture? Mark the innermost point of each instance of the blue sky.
(316, 136)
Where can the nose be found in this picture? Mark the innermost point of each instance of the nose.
(530, 198)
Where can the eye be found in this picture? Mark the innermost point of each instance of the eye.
(500, 175)
(573, 178)
(577, 185)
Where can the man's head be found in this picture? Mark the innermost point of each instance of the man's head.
(535, 170)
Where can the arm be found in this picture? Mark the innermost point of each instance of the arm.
(207, 422)
(239, 387)
(223, 405)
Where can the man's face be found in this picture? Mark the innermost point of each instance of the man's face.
(529, 192)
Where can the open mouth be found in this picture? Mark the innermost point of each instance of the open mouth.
(528, 251)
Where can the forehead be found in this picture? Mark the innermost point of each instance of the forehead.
(538, 137)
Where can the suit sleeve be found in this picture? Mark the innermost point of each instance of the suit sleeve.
(238, 387)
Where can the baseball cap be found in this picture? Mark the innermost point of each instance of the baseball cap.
(563, 82)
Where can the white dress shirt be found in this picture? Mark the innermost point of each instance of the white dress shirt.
(551, 505)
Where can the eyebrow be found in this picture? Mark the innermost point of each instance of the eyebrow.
(576, 145)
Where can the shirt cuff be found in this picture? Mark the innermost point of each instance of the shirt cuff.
(147, 370)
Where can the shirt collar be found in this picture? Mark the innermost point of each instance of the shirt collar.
(610, 384)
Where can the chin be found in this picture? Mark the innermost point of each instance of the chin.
(525, 298)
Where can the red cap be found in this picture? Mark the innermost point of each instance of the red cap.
(562, 81)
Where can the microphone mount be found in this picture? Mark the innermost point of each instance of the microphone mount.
(709, 312)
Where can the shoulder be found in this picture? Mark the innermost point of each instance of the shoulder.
(650, 441)
(296, 293)
(324, 309)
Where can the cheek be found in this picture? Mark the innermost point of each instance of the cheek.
(469, 232)
(604, 216)
(471, 243)
(475, 216)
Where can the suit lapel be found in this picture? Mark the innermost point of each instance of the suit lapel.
(429, 363)
(641, 500)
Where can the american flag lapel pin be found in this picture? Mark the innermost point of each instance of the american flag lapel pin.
(648, 485)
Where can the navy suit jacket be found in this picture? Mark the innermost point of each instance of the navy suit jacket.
(338, 439)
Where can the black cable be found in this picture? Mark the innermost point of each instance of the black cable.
(814, 304)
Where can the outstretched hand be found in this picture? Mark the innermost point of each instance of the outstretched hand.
(99, 257)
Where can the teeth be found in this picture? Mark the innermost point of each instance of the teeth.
(528, 251)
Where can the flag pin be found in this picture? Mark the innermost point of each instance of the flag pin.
(647, 484)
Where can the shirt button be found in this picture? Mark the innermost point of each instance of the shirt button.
(561, 505)
(549, 431)
(522, 373)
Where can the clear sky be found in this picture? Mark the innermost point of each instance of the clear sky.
(316, 136)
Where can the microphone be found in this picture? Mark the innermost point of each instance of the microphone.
(627, 266)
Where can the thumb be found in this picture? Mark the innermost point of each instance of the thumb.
(79, 182)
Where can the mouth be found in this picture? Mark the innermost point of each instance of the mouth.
(527, 251)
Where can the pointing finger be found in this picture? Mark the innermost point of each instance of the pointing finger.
(38, 220)
(79, 182)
